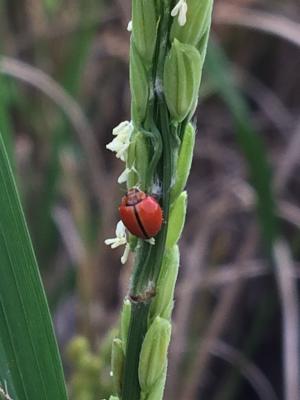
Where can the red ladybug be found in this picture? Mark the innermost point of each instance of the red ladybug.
(141, 214)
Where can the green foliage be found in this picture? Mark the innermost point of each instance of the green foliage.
(26, 333)
(41, 135)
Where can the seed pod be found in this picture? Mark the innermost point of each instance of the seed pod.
(176, 220)
(182, 75)
(198, 21)
(184, 161)
(125, 321)
(139, 86)
(163, 302)
(117, 364)
(153, 356)
(144, 28)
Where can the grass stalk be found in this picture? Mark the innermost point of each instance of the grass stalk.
(168, 46)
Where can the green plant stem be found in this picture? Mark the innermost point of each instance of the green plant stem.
(137, 330)
(149, 258)
(146, 273)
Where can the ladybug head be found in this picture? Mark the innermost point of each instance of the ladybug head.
(133, 197)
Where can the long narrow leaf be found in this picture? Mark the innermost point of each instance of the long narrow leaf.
(29, 357)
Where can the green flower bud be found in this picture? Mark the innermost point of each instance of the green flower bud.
(182, 75)
(153, 356)
(184, 161)
(163, 302)
(176, 220)
(137, 161)
(125, 321)
(144, 28)
(117, 363)
(198, 21)
(78, 348)
(139, 86)
(114, 398)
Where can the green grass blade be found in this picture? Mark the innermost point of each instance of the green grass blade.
(6, 382)
(28, 351)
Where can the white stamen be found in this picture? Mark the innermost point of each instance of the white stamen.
(120, 240)
(181, 10)
(121, 142)
(124, 176)
(129, 26)
(122, 127)
(125, 255)
(151, 241)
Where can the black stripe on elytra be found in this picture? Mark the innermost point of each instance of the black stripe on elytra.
(140, 224)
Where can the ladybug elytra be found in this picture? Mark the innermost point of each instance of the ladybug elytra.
(141, 214)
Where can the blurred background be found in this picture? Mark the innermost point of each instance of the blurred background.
(63, 87)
